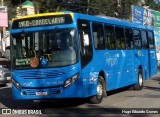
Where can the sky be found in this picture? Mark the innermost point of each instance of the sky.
(157, 1)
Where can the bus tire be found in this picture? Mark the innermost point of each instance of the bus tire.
(100, 91)
(139, 84)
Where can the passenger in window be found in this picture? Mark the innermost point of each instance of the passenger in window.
(63, 41)
(118, 44)
(24, 52)
(123, 45)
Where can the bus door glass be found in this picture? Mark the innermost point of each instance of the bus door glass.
(85, 40)
(152, 54)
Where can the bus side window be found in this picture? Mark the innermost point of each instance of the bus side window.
(151, 40)
(109, 37)
(129, 38)
(98, 36)
(144, 39)
(137, 39)
(120, 40)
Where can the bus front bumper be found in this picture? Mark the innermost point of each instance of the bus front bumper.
(72, 91)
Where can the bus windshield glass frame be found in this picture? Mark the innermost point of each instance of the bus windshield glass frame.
(44, 49)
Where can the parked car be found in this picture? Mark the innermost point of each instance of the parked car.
(6, 53)
(5, 73)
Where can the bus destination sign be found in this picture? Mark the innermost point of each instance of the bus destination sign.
(42, 21)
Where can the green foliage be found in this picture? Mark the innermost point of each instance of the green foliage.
(46, 6)
(36, 5)
(11, 9)
(153, 5)
(94, 7)
(102, 7)
(112, 8)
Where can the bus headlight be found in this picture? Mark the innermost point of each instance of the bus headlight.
(16, 84)
(71, 80)
(1, 71)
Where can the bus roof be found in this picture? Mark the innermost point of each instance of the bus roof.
(113, 21)
(102, 19)
(42, 14)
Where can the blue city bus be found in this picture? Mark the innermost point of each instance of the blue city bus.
(70, 55)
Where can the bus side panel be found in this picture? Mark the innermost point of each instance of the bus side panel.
(90, 72)
(145, 63)
(120, 64)
(112, 59)
(136, 63)
(130, 69)
(153, 62)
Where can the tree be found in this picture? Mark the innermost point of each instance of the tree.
(48, 6)
(113, 8)
(102, 7)
(11, 9)
(126, 12)
(155, 5)
(36, 6)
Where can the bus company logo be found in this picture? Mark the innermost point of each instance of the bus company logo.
(20, 111)
(6, 111)
(112, 61)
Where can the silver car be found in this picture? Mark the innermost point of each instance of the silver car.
(6, 53)
(5, 75)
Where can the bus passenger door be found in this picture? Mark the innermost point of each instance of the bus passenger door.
(85, 42)
(152, 54)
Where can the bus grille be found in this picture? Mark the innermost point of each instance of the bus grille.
(41, 74)
(51, 91)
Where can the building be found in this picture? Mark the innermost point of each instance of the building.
(3, 23)
(26, 8)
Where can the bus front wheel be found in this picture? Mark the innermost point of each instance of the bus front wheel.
(100, 91)
(139, 84)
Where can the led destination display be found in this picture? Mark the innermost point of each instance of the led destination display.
(42, 21)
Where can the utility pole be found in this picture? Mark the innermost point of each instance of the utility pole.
(88, 1)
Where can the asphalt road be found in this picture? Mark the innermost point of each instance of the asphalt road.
(125, 101)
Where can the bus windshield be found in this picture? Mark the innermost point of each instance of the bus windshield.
(44, 49)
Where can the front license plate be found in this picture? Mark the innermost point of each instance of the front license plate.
(8, 78)
(41, 93)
